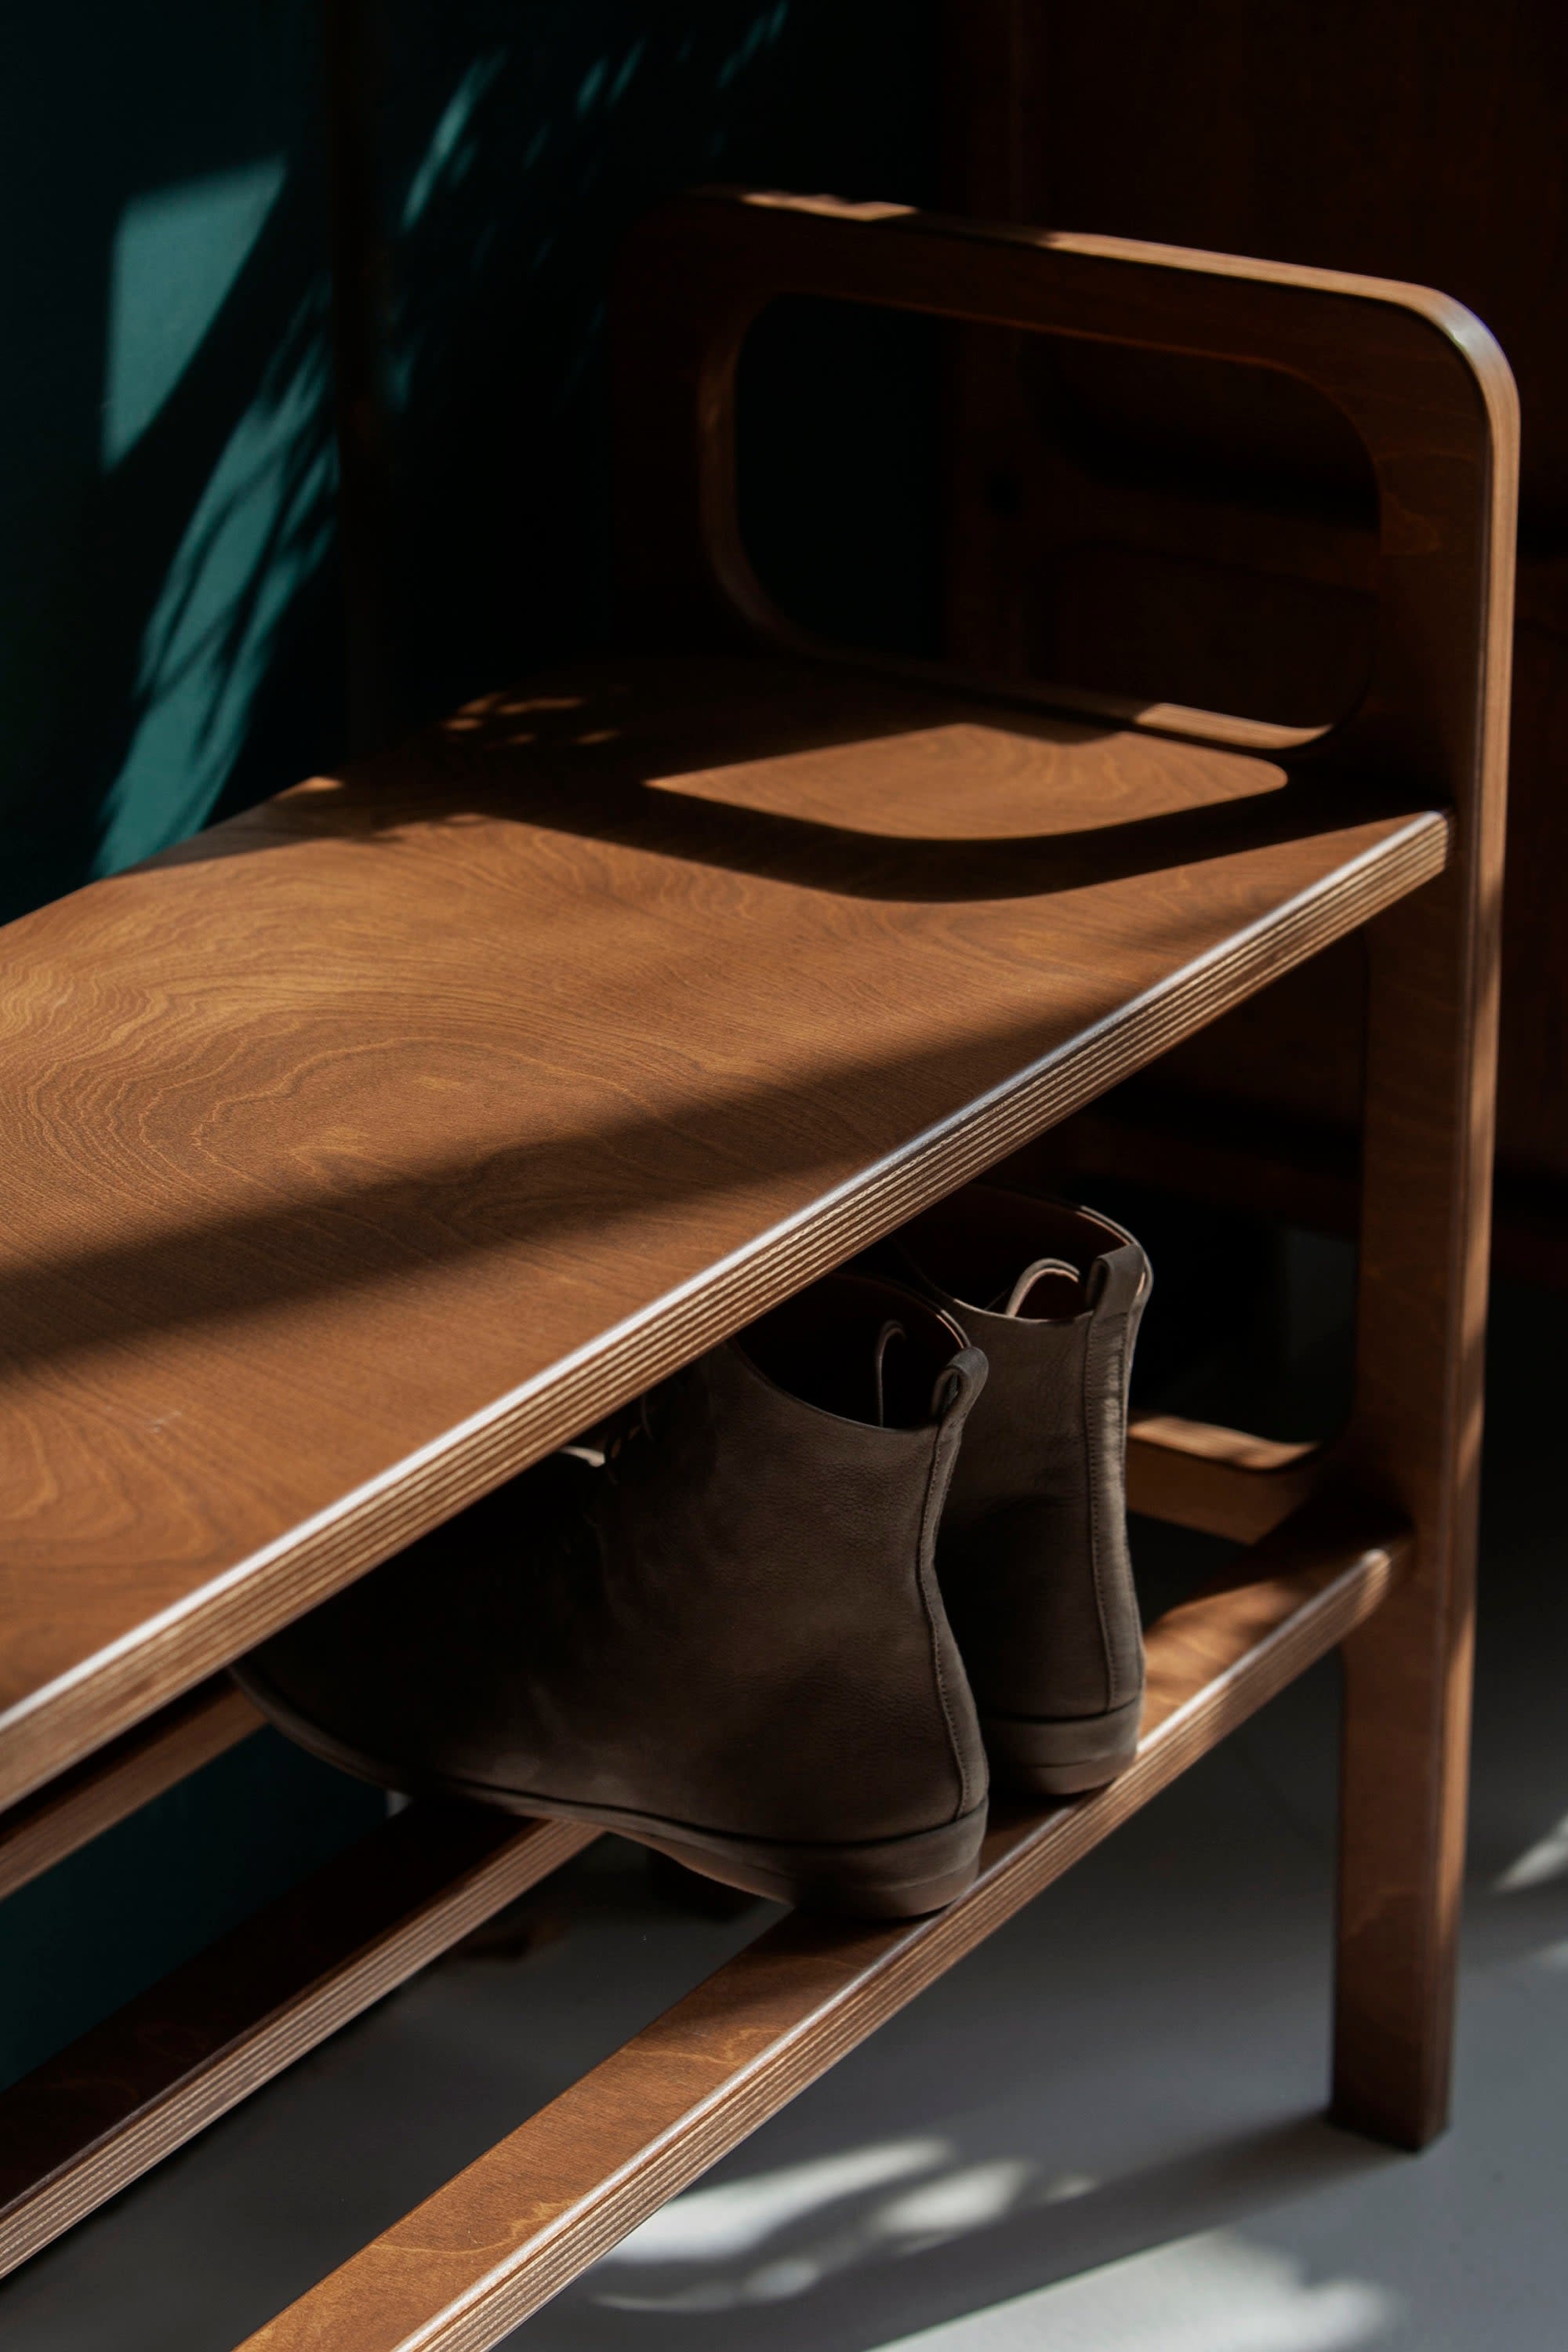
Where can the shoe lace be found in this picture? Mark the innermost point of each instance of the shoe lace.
(612, 1442)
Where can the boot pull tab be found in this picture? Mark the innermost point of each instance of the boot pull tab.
(1055, 1267)
(1120, 1280)
(958, 1384)
(594, 1455)
(892, 1330)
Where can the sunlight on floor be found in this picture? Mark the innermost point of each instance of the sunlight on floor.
(1545, 1860)
(1217, 2293)
(770, 2239)
(737, 2216)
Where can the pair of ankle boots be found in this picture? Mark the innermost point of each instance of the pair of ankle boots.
(787, 1618)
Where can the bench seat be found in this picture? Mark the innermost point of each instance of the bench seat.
(368, 1146)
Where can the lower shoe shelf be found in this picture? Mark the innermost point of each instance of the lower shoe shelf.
(102, 2112)
(512, 2229)
(462, 2270)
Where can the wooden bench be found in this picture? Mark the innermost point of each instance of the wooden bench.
(370, 1145)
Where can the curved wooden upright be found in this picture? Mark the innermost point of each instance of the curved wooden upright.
(361, 1150)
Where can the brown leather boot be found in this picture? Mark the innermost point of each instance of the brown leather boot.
(1033, 1552)
(715, 1626)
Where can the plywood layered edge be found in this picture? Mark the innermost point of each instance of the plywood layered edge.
(476, 2259)
(117, 1687)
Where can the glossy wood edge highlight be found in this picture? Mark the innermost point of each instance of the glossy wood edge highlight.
(167, 1655)
(102, 2113)
(472, 2261)
(118, 1779)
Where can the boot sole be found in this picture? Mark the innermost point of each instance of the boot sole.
(884, 1878)
(1064, 1758)
(890, 1878)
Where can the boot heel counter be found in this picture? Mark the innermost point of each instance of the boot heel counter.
(952, 1689)
(1124, 1280)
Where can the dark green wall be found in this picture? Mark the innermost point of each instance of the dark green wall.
(167, 618)
(171, 612)
(519, 145)
(170, 622)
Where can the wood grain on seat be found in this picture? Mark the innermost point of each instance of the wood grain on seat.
(363, 1148)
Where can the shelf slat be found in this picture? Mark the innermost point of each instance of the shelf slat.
(370, 1145)
(477, 2258)
(93, 2118)
(1224, 1482)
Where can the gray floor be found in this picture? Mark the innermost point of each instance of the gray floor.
(1100, 2134)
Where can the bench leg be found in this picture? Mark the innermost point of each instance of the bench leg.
(1416, 1434)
